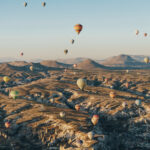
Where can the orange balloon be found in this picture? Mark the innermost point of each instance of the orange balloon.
(145, 34)
(78, 28)
(127, 85)
(95, 119)
(112, 94)
(77, 107)
(7, 124)
(75, 65)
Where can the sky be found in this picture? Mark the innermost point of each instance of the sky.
(45, 32)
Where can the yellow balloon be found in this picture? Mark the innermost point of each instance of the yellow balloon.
(6, 79)
(146, 60)
(31, 68)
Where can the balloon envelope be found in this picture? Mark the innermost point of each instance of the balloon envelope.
(127, 85)
(124, 104)
(81, 83)
(95, 119)
(145, 34)
(112, 94)
(7, 124)
(146, 60)
(52, 100)
(72, 41)
(43, 4)
(137, 32)
(77, 107)
(138, 102)
(31, 68)
(78, 28)
(6, 79)
(62, 114)
(90, 135)
(25, 4)
(66, 51)
(14, 94)
(75, 65)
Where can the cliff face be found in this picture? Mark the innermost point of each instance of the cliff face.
(36, 123)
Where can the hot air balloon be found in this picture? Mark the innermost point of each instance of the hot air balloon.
(65, 70)
(31, 68)
(62, 114)
(106, 80)
(124, 104)
(75, 73)
(138, 102)
(75, 65)
(127, 85)
(6, 79)
(146, 60)
(112, 94)
(78, 28)
(22, 54)
(52, 100)
(66, 51)
(43, 4)
(90, 135)
(95, 119)
(81, 83)
(14, 94)
(145, 34)
(77, 107)
(7, 124)
(25, 4)
(72, 41)
(137, 32)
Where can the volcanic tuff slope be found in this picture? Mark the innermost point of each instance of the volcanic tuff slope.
(34, 117)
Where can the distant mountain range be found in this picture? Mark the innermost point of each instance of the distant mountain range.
(10, 59)
(116, 62)
(72, 60)
(122, 61)
(53, 63)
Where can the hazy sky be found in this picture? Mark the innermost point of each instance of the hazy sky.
(109, 28)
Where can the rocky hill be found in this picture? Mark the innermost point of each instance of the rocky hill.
(44, 114)
(123, 61)
(51, 63)
(89, 64)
